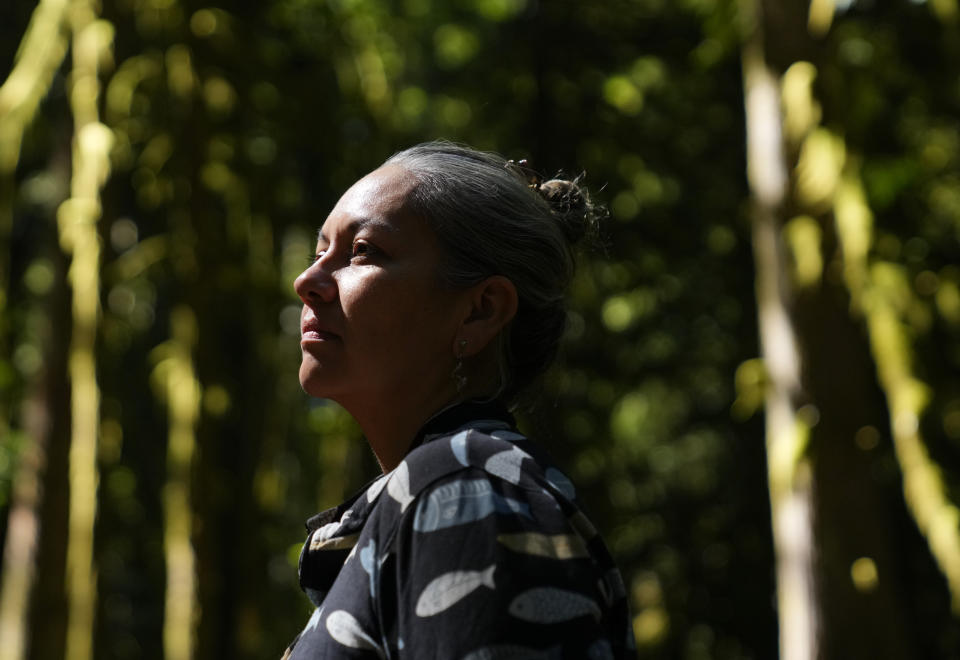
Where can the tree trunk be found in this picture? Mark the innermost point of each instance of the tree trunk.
(78, 218)
(790, 475)
(23, 526)
(855, 522)
(182, 394)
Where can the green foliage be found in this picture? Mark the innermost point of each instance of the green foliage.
(236, 128)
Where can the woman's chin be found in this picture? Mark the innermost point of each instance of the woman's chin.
(314, 381)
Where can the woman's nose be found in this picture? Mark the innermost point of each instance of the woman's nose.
(315, 284)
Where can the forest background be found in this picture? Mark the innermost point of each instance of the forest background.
(757, 395)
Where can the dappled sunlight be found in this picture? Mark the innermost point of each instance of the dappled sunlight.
(176, 384)
(756, 390)
(883, 294)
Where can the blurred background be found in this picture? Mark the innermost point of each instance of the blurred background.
(757, 395)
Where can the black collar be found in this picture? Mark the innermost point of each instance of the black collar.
(459, 414)
(447, 420)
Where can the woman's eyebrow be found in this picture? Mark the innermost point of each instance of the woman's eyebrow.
(362, 223)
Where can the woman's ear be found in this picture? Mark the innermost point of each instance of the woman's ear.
(493, 304)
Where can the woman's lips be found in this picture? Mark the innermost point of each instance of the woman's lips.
(312, 331)
(316, 335)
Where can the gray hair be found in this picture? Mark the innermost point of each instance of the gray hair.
(494, 217)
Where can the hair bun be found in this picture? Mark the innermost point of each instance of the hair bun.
(571, 207)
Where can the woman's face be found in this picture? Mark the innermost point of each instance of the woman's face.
(377, 325)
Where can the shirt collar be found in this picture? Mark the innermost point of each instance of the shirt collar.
(458, 415)
(447, 420)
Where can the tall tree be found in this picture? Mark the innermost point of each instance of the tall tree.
(78, 216)
(40, 54)
(790, 476)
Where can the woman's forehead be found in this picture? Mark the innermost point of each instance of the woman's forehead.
(383, 189)
(378, 200)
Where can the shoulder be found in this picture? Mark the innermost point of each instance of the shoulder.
(480, 484)
(479, 526)
(472, 483)
(502, 454)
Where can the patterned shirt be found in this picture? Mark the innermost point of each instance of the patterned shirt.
(472, 548)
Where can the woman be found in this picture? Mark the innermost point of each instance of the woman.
(434, 297)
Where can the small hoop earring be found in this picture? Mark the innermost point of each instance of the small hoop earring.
(458, 378)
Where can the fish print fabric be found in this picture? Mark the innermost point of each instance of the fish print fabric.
(472, 548)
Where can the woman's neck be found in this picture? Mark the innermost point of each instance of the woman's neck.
(391, 423)
(390, 419)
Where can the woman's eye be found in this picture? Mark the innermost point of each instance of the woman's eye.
(314, 258)
(362, 249)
